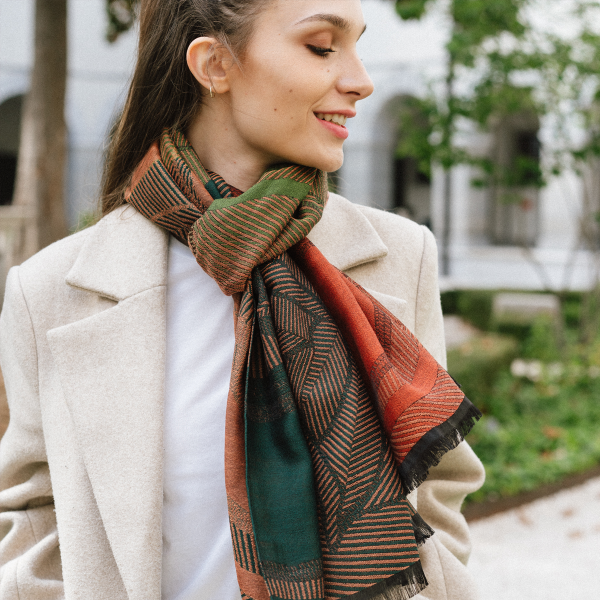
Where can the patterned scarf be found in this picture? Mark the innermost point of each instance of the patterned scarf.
(335, 410)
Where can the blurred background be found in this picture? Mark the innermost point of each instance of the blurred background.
(484, 126)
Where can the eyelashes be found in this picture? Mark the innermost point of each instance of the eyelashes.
(320, 51)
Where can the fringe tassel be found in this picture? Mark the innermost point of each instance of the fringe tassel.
(401, 586)
(428, 451)
(422, 531)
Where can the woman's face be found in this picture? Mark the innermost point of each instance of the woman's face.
(300, 79)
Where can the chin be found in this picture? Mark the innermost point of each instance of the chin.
(328, 162)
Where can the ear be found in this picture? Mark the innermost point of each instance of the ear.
(209, 63)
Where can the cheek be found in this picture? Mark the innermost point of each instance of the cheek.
(279, 105)
(288, 89)
(276, 116)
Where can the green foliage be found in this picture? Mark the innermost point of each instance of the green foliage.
(121, 17)
(476, 364)
(536, 433)
(411, 9)
(540, 424)
(450, 302)
(542, 341)
(476, 307)
(500, 64)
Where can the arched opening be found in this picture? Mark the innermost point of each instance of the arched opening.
(412, 190)
(10, 134)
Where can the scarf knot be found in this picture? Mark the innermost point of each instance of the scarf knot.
(237, 234)
(228, 235)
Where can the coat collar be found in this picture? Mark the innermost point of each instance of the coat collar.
(123, 255)
(126, 254)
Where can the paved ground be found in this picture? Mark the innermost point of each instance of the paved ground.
(546, 550)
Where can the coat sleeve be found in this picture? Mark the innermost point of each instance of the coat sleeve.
(444, 556)
(30, 564)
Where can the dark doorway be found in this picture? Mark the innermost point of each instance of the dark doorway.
(10, 133)
(8, 174)
(412, 191)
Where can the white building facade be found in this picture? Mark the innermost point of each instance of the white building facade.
(485, 238)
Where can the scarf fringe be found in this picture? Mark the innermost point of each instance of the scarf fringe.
(430, 449)
(422, 531)
(401, 586)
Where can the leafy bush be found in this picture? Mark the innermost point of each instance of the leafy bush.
(475, 306)
(541, 341)
(541, 411)
(537, 433)
(476, 364)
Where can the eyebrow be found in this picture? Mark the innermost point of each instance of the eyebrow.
(335, 20)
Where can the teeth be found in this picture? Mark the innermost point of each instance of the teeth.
(337, 119)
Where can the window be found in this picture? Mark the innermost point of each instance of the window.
(515, 193)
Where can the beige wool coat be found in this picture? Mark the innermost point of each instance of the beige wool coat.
(82, 349)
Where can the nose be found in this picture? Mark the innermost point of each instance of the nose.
(355, 80)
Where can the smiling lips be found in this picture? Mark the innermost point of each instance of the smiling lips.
(335, 123)
(333, 118)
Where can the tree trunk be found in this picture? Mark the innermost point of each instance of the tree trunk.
(39, 189)
(447, 223)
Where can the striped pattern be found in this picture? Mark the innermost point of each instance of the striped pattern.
(303, 581)
(244, 548)
(422, 410)
(373, 408)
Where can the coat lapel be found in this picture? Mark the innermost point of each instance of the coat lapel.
(345, 236)
(111, 366)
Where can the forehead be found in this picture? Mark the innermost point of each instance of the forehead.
(345, 15)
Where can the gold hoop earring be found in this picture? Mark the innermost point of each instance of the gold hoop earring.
(211, 92)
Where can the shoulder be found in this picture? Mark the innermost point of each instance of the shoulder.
(36, 292)
(50, 266)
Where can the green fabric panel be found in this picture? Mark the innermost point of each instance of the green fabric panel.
(279, 473)
(269, 187)
(213, 190)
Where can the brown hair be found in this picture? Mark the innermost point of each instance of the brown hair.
(163, 92)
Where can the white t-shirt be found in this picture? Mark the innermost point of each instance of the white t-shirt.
(198, 559)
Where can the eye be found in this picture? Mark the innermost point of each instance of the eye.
(320, 51)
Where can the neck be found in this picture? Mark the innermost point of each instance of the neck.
(220, 148)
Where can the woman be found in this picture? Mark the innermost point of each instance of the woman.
(117, 347)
